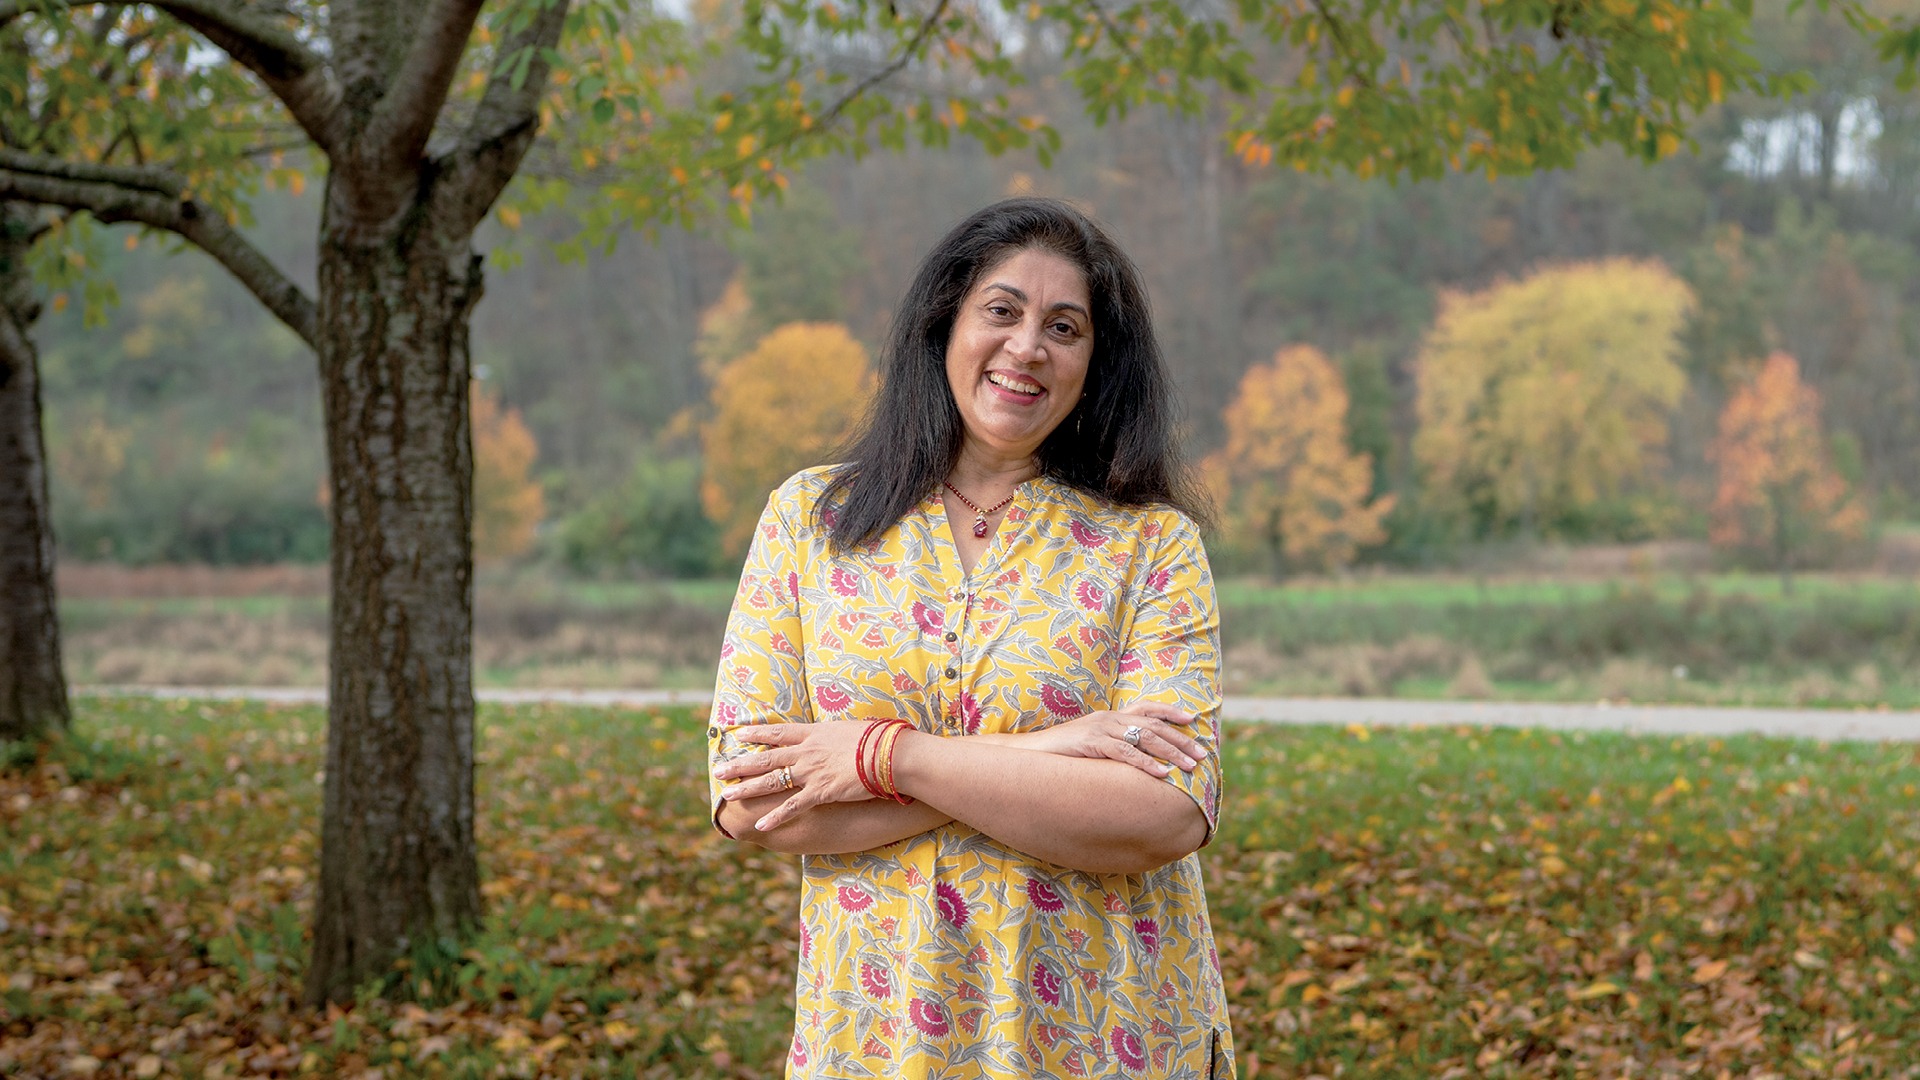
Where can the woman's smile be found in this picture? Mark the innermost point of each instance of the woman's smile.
(1018, 355)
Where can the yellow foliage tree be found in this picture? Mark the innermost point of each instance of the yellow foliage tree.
(777, 409)
(1286, 480)
(1540, 399)
(1779, 493)
(507, 502)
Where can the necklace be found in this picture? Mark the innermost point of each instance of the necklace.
(979, 515)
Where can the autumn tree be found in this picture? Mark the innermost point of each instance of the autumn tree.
(778, 409)
(1287, 481)
(1779, 496)
(507, 502)
(1541, 400)
(115, 87)
(423, 112)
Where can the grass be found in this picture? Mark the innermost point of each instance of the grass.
(1388, 903)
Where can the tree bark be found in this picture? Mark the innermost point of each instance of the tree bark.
(398, 869)
(33, 688)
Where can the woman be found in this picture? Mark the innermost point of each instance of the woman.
(1004, 884)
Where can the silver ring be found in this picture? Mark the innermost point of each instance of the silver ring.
(1132, 735)
(786, 778)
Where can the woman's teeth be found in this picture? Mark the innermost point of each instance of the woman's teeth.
(1027, 388)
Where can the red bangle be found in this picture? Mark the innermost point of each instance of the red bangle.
(860, 760)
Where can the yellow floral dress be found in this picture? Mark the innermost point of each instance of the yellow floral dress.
(948, 954)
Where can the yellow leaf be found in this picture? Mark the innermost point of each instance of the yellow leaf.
(959, 110)
(1345, 97)
(510, 217)
(722, 121)
(1602, 988)
(1553, 865)
(133, 241)
(1709, 971)
(297, 182)
(59, 302)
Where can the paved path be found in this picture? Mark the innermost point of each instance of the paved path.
(1902, 726)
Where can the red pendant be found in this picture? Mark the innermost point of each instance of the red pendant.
(980, 527)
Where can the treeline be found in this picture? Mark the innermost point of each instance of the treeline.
(1428, 352)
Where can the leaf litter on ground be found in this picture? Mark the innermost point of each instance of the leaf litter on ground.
(1446, 902)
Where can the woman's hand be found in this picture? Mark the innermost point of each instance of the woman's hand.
(1160, 745)
(818, 760)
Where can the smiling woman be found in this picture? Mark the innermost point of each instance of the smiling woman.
(991, 732)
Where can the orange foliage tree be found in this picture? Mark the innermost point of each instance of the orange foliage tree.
(1544, 400)
(1286, 479)
(779, 408)
(507, 502)
(1779, 495)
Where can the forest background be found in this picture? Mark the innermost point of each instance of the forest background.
(1707, 364)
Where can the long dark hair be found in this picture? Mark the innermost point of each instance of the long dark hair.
(1117, 444)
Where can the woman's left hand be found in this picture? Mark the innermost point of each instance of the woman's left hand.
(814, 762)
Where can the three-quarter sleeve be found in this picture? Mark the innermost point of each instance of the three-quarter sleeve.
(1172, 647)
(762, 677)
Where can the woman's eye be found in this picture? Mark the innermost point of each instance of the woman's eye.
(1066, 329)
(1000, 311)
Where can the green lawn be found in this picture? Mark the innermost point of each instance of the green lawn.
(1389, 903)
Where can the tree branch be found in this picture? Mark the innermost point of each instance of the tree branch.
(504, 123)
(150, 197)
(298, 76)
(404, 119)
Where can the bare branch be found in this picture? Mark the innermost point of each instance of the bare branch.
(893, 68)
(150, 197)
(403, 121)
(505, 121)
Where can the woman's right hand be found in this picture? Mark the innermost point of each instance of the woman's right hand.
(1163, 743)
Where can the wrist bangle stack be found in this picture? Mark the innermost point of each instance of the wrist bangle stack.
(876, 772)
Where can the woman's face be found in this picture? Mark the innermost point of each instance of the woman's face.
(1017, 359)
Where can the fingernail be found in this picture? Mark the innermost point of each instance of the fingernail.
(1201, 752)
(1188, 762)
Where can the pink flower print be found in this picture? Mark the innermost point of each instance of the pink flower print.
(832, 698)
(967, 708)
(1059, 702)
(1089, 978)
(1047, 983)
(888, 571)
(853, 898)
(1158, 580)
(1089, 595)
(799, 1053)
(727, 713)
(1076, 938)
(1148, 931)
(930, 620)
(1011, 577)
(1114, 904)
(875, 981)
(780, 644)
(1087, 535)
(793, 586)
(1130, 661)
(844, 581)
(873, 638)
(928, 1018)
(1045, 896)
(1092, 637)
(903, 683)
(952, 905)
(726, 648)
(806, 941)
(1128, 1048)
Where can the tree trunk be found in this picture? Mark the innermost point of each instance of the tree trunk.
(398, 871)
(33, 688)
